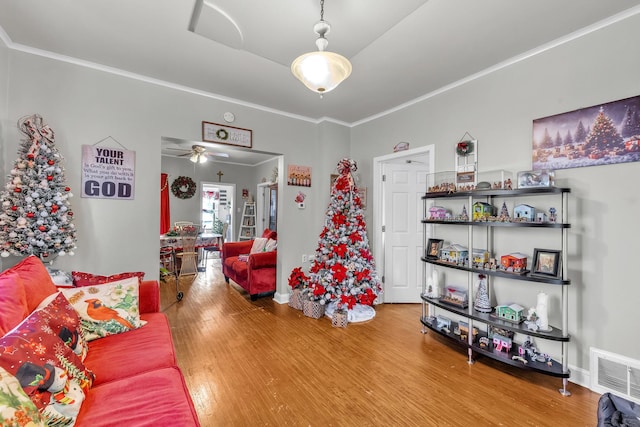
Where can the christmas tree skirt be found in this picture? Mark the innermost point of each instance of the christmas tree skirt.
(359, 313)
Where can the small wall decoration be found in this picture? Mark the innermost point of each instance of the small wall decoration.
(599, 135)
(400, 146)
(546, 262)
(466, 161)
(245, 193)
(183, 187)
(108, 173)
(299, 175)
(223, 134)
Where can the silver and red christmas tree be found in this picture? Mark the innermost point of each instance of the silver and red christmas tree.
(344, 269)
(35, 216)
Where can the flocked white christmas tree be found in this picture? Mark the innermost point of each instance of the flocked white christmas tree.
(344, 269)
(36, 214)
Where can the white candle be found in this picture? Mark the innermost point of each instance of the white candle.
(541, 311)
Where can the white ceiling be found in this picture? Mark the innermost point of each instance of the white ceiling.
(401, 50)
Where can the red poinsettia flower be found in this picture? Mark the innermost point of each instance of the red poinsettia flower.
(324, 232)
(347, 301)
(362, 275)
(355, 237)
(339, 272)
(297, 278)
(340, 250)
(318, 290)
(365, 254)
(317, 266)
(339, 219)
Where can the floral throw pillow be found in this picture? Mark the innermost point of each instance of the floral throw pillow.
(88, 279)
(16, 409)
(49, 372)
(63, 319)
(108, 309)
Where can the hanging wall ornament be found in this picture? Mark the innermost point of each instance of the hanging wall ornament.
(183, 187)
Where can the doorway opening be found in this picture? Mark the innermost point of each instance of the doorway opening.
(216, 207)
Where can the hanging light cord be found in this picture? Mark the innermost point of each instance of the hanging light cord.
(322, 10)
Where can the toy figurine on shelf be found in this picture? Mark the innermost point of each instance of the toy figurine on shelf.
(482, 303)
(504, 213)
(464, 216)
(552, 215)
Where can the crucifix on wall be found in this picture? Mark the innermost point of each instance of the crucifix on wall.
(219, 176)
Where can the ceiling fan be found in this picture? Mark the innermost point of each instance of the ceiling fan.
(198, 153)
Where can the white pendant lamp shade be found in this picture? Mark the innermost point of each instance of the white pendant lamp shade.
(321, 71)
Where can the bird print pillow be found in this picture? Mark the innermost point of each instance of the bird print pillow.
(108, 309)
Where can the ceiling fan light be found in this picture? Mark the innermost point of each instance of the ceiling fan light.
(194, 158)
(202, 158)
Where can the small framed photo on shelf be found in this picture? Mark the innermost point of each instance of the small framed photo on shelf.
(433, 248)
(546, 262)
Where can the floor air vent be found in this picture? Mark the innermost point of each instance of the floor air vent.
(614, 373)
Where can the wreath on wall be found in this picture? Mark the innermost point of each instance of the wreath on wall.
(222, 134)
(183, 187)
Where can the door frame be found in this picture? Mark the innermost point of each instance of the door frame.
(425, 154)
(217, 185)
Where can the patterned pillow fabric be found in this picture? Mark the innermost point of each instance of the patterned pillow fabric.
(107, 309)
(64, 321)
(271, 245)
(258, 245)
(87, 279)
(16, 409)
(49, 372)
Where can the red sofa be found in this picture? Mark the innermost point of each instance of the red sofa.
(257, 275)
(137, 379)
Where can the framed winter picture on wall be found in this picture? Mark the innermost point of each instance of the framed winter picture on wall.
(603, 134)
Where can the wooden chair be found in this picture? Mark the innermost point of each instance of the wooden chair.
(179, 224)
(217, 248)
(187, 256)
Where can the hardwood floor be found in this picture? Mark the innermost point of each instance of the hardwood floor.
(259, 363)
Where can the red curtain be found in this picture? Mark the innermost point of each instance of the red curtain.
(165, 214)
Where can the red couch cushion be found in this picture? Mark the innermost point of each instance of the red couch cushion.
(35, 278)
(140, 350)
(241, 269)
(154, 398)
(13, 302)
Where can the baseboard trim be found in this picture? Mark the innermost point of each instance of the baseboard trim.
(580, 377)
(281, 298)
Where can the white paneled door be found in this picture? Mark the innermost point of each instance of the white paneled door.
(403, 187)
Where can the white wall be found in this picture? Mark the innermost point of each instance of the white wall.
(84, 106)
(498, 110)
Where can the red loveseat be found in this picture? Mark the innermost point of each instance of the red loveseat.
(137, 379)
(256, 275)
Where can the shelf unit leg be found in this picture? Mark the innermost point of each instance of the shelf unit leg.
(563, 391)
(470, 361)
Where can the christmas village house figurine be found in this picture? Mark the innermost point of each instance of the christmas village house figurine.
(510, 312)
(454, 254)
(438, 213)
(482, 211)
(480, 257)
(455, 296)
(514, 263)
(524, 213)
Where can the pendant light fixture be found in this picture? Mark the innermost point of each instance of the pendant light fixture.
(321, 71)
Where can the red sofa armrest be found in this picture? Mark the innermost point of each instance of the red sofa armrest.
(236, 248)
(262, 260)
(149, 296)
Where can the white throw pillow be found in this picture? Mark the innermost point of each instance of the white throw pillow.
(271, 245)
(258, 245)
